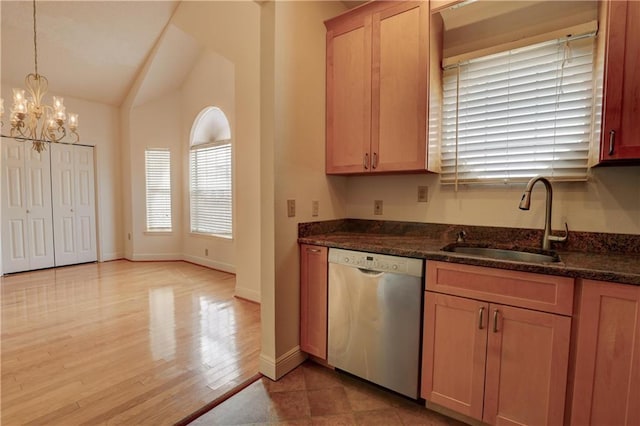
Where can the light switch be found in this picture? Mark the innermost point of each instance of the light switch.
(291, 208)
(315, 208)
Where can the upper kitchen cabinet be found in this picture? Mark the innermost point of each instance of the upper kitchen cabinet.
(620, 139)
(377, 95)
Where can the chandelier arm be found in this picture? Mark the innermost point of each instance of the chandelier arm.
(34, 120)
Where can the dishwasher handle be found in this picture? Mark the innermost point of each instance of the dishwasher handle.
(371, 272)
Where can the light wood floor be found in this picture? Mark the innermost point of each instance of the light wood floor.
(122, 343)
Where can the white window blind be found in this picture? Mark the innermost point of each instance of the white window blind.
(211, 199)
(158, 177)
(517, 114)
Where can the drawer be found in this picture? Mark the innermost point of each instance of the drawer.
(541, 292)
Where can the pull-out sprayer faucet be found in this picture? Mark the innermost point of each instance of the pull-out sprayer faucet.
(525, 204)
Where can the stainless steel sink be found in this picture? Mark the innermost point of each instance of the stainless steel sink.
(504, 254)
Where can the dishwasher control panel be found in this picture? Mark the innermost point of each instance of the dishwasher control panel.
(377, 262)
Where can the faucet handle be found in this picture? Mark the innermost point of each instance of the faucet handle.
(461, 236)
(563, 238)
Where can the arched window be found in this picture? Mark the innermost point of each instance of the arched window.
(210, 174)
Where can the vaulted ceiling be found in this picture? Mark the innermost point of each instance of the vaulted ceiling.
(87, 49)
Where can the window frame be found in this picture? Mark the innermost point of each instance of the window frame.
(230, 217)
(150, 229)
(452, 163)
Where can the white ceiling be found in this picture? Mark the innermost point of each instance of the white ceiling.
(87, 49)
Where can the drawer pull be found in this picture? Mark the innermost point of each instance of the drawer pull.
(480, 318)
(612, 141)
(495, 320)
(313, 250)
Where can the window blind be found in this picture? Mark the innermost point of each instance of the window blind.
(516, 114)
(158, 193)
(210, 182)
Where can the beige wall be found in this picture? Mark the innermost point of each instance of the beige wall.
(299, 152)
(608, 202)
(226, 74)
(210, 83)
(99, 127)
(232, 30)
(154, 125)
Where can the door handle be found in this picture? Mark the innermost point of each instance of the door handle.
(366, 161)
(374, 162)
(495, 320)
(480, 318)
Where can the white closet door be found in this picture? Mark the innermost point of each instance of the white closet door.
(39, 219)
(73, 204)
(63, 194)
(85, 204)
(27, 232)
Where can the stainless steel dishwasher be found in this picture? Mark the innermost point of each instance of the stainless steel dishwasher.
(375, 306)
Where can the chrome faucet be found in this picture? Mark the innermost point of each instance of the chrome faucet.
(525, 204)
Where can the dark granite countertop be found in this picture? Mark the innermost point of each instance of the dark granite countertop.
(614, 258)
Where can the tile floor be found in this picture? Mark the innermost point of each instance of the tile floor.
(315, 395)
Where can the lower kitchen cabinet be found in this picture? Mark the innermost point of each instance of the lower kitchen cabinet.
(489, 361)
(313, 300)
(607, 355)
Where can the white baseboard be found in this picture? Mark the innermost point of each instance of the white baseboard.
(203, 261)
(275, 369)
(247, 293)
(141, 257)
(106, 257)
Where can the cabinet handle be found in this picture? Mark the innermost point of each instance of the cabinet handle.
(480, 318)
(28, 211)
(612, 141)
(495, 321)
(375, 160)
(313, 250)
(366, 161)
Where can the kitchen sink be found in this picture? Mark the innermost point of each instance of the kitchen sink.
(531, 256)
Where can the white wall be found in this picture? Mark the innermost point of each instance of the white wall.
(608, 202)
(99, 127)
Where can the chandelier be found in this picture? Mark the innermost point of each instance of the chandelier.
(33, 120)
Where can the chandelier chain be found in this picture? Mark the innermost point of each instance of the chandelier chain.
(35, 38)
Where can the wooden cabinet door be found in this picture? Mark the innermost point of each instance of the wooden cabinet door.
(399, 87)
(313, 300)
(526, 372)
(620, 130)
(607, 367)
(348, 96)
(454, 351)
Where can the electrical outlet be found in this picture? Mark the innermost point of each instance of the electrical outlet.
(291, 208)
(423, 194)
(377, 207)
(315, 208)
(206, 252)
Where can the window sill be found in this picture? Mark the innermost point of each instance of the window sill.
(163, 233)
(203, 235)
